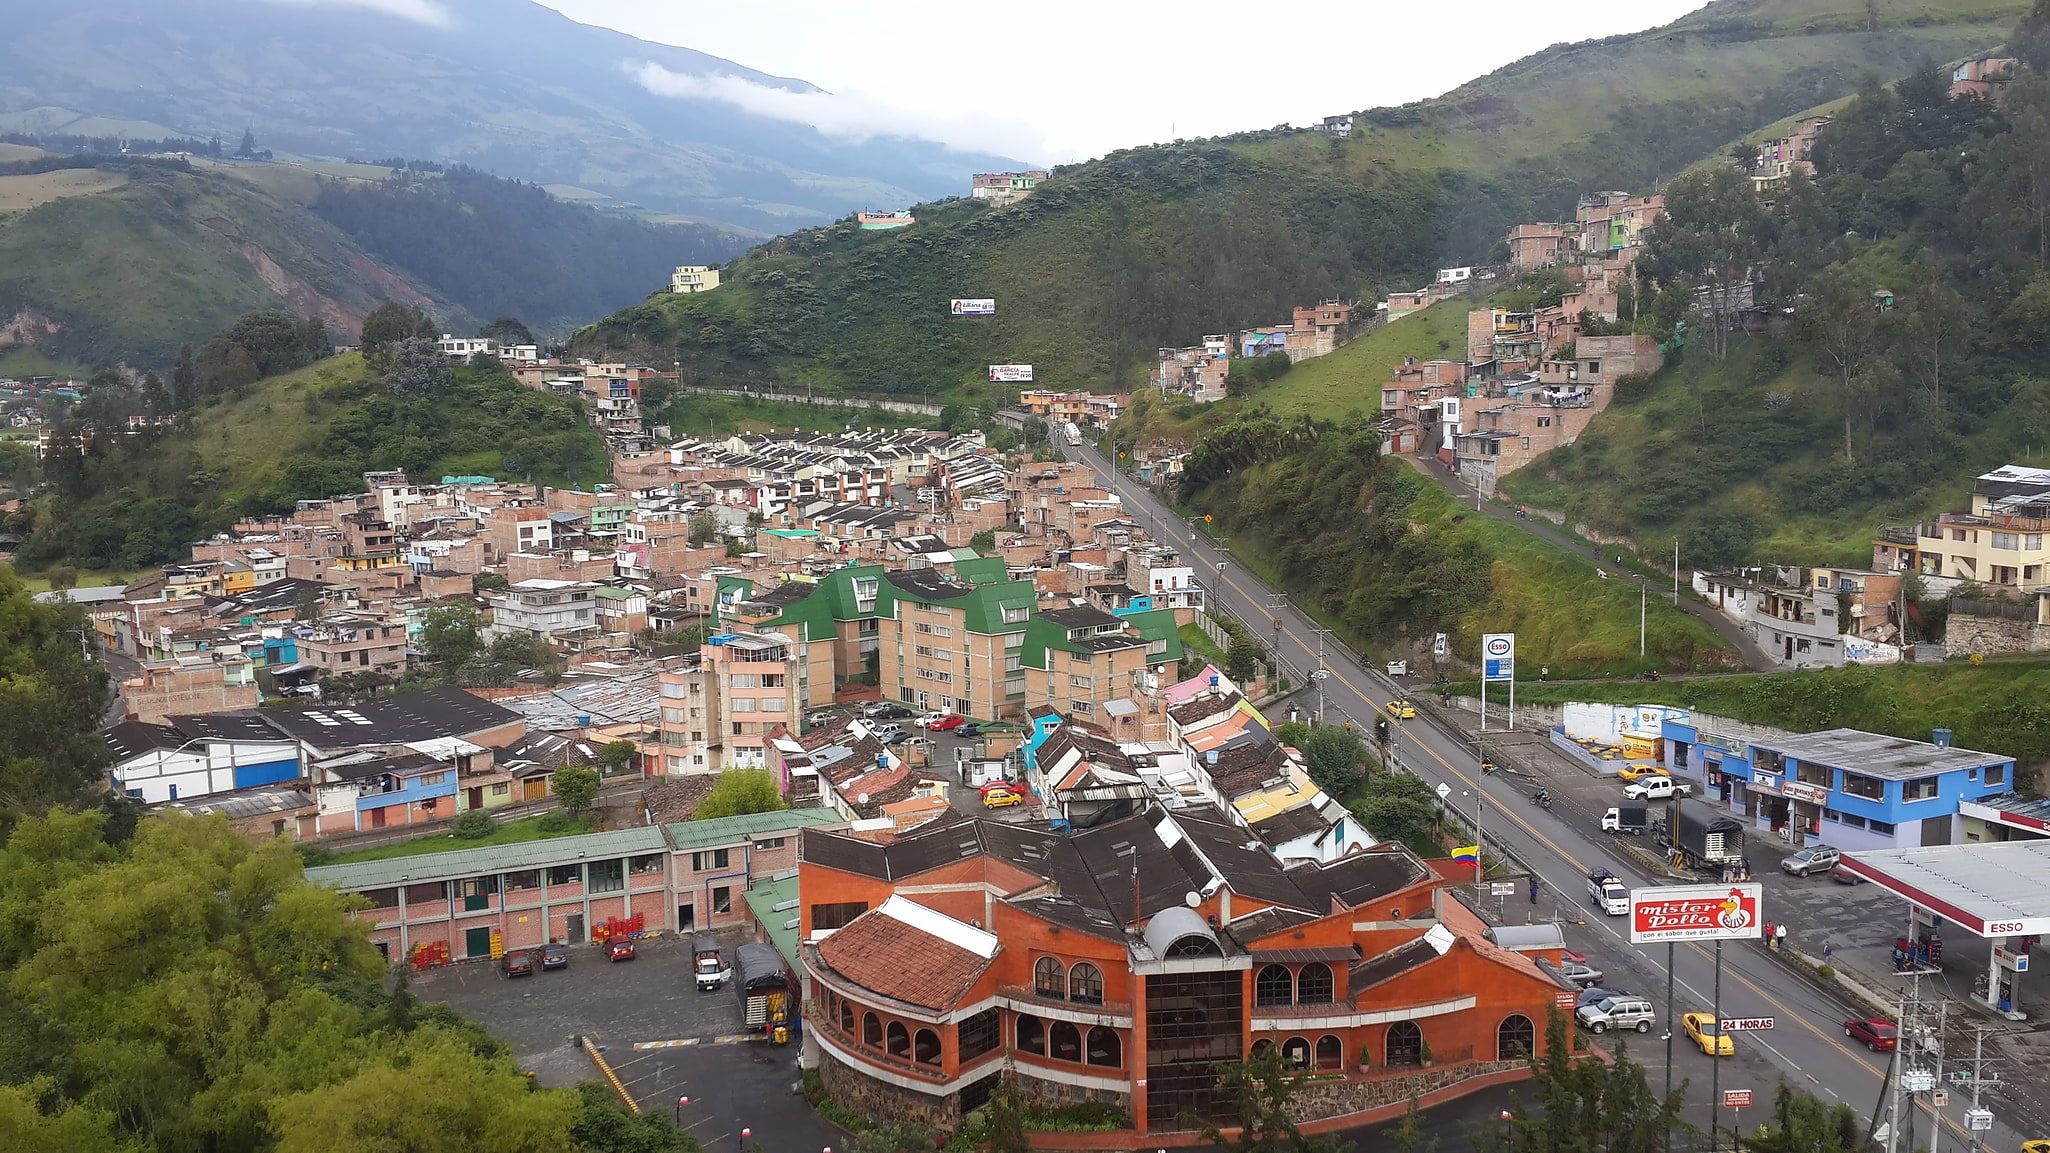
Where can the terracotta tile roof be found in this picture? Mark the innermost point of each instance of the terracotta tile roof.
(902, 962)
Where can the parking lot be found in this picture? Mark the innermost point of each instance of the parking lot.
(662, 1037)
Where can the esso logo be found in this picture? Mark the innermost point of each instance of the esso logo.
(1498, 648)
(2004, 927)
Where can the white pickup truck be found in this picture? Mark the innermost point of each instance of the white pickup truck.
(1608, 893)
(1656, 788)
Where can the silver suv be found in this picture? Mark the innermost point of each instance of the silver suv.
(1813, 859)
(1616, 1013)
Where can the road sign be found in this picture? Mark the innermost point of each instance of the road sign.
(1498, 657)
(1746, 1024)
(1736, 1098)
(1501, 888)
(1444, 790)
(1695, 913)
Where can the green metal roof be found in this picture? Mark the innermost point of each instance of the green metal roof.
(979, 570)
(781, 925)
(719, 831)
(790, 533)
(360, 875)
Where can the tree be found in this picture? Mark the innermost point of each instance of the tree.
(275, 341)
(1242, 658)
(485, 582)
(473, 825)
(1585, 1103)
(1802, 1124)
(1261, 1089)
(507, 330)
(2022, 157)
(389, 323)
(248, 149)
(1408, 1135)
(428, 1094)
(63, 577)
(416, 367)
(52, 700)
(2030, 42)
(1714, 231)
(657, 393)
(225, 366)
(704, 529)
(617, 758)
(184, 380)
(900, 1138)
(575, 786)
(983, 542)
(740, 791)
(604, 1127)
(1936, 323)
(449, 637)
(1004, 1120)
(1330, 753)
(1838, 317)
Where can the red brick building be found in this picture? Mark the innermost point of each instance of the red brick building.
(1123, 963)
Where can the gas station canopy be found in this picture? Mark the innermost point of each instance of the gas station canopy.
(1997, 889)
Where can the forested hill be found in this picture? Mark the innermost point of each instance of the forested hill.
(1110, 260)
(106, 260)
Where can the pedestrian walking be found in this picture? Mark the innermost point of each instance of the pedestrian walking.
(1828, 951)
(1544, 672)
(1533, 891)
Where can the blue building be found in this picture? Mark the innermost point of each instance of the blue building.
(1845, 788)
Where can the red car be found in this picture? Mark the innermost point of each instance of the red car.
(1875, 1033)
(620, 951)
(950, 721)
(999, 784)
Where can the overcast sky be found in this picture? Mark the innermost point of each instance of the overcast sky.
(1059, 80)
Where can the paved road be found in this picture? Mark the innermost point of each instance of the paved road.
(1729, 630)
(1807, 1047)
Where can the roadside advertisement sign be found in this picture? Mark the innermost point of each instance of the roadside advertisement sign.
(1695, 913)
(1498, 657)
(978, 306)
(1011, 373)
(1746, 1024)
(1736, 1098)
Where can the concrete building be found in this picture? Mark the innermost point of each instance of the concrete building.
(556, 610)
(693, 278)
(1798, 626)
(1999, 543)
(198, 756)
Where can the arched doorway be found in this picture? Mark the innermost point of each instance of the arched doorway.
(1405, 1044)
(1515, 1038)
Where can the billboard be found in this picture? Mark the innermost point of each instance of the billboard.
(1695, 913)
(1011, 373)
(1498, 657)
(980, 306)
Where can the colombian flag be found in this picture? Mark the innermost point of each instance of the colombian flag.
(1470, 854)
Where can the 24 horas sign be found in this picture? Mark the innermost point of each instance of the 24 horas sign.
(1695, 913)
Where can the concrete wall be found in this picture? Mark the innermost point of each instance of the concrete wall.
(1964, 635)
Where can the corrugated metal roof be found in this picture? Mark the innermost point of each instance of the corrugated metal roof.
(774, 904)
(360, 875)
(746, 827)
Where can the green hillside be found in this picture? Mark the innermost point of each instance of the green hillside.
(134, 501)
(1156, 246)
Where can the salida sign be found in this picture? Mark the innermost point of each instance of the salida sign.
(1695, 913)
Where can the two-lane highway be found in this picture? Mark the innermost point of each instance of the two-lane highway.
(1807, 1046)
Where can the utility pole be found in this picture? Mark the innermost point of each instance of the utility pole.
(1641, 593)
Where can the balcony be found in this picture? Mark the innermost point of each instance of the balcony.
(1024, 997)
(1910, 535)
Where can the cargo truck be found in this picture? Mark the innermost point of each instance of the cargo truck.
(764, 984)
(1625, 818)
(1608, 893)
(1705, 838)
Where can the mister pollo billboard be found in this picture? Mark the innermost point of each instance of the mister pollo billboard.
(1695, 913)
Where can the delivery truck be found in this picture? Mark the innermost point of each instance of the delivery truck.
(1706, 838)
(765, 989)
(1608, 893)
(1627, 818)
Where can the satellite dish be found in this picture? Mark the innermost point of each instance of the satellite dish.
(1192, 898)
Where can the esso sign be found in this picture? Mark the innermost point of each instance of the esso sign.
(1695, 913)
(2004, 928)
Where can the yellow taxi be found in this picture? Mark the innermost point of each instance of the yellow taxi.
(1634, 770)
(1402, 710)
(1001, 798)
(2039, 1145)
(1701, 1027)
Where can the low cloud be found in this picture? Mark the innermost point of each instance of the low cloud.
(418, 11)
(849, 117)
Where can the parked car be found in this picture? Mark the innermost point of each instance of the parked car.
(1635, 771)
(968, 729)
(554, 956)
(950, 721)
(928, 720)
(1402, 710)
(1617, 1013)
(815, 719)
(1580, 973)
(518, 963)
(2039, 1145)
(992, 786)
(1843, 876)
(1656, 788)
(1596, 994)
(1701, 1028)
(1875, 1033)
(887, 711)
(891, 734)
(620, 951)
(1813, 859)
(1001, 798)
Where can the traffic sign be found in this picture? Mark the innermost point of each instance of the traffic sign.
(1736, 1098)
(1746, 1024)
(1444, 790)
(1502, 888)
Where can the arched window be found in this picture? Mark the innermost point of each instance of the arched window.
(1405, 1044)
(1065, 1041)
(1515, 1038)
(1295, 1053)
(1313, 984)
(1085, 984)
(925, 1047)
(1047, 978)
(1031, 1035)
(1261, 1048)
(1194, 945)
(1330, 1052)
(897, 1040)
(1274, 986)
(1105, 1048)
(871, 1029)
(846, 1016)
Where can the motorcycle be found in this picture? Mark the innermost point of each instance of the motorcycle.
(1542, 799)
(1649, 675)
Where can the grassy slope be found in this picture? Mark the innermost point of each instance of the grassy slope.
(133, 273)
(1350, 379)
(247, 439)
(1999, 706)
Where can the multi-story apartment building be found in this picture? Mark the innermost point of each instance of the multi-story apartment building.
(750, 685)
(345, 643)
(956, 644)
(555, 609)
(1999, 543)
(693, 278)
(1095, 666)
